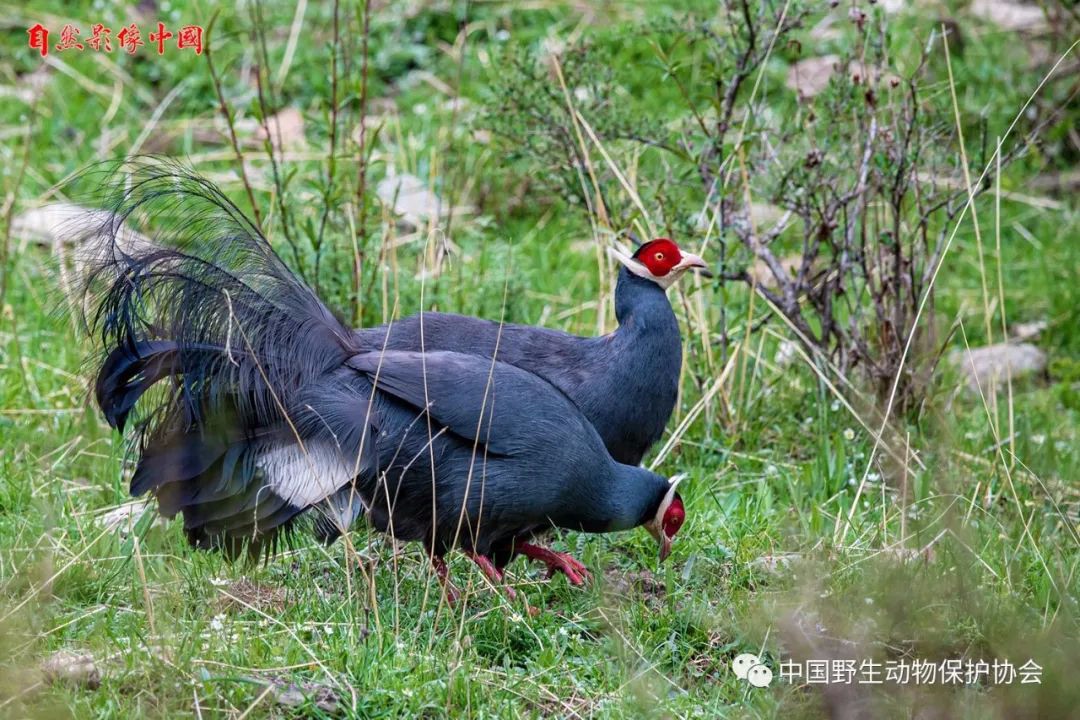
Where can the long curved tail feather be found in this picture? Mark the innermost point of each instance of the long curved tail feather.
(212, 347)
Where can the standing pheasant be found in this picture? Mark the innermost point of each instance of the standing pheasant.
(626, 383)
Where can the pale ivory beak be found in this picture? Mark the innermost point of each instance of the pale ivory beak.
(665, 546)
(692, 261)
(662, 540)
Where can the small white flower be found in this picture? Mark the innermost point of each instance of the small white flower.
(217, 623)
(1038, 439)
(835, 405)
(785, 353)
(328, 629)
(770, 470)
(502, 35)
(219, 582)
(849, 434)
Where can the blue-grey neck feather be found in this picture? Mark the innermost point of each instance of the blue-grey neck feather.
(646, 353)
(639, 300)
(635, 497)
(646, 320)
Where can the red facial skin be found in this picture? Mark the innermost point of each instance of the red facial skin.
(659, 256)
(674, 517)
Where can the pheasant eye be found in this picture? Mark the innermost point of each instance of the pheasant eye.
(659, 256)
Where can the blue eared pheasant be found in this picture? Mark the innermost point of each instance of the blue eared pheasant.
(626, 382)
(253, 407)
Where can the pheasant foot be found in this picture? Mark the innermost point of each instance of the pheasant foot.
(575, 572)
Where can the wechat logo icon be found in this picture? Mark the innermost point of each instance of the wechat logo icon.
(750, 668)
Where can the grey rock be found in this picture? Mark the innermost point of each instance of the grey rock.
(993, 364)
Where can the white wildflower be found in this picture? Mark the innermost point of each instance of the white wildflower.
(785, 353)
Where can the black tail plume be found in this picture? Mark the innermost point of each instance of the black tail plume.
(181, 286)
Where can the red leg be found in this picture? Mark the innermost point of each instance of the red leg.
(443, 573)
(491, 572)
(575, 572)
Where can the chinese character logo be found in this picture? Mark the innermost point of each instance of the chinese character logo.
(950, 671)
(749, 667)
(128, 38)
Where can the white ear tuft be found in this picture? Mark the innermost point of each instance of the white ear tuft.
(631, 264)
(673, 483)
(619, 254)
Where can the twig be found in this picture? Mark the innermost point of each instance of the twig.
(225, 111)
(331, 157)
(360, 247)
(9, 210)
(268, 143)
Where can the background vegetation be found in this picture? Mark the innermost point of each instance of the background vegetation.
(851, 495)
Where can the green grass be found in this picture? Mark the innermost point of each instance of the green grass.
(773, 469)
